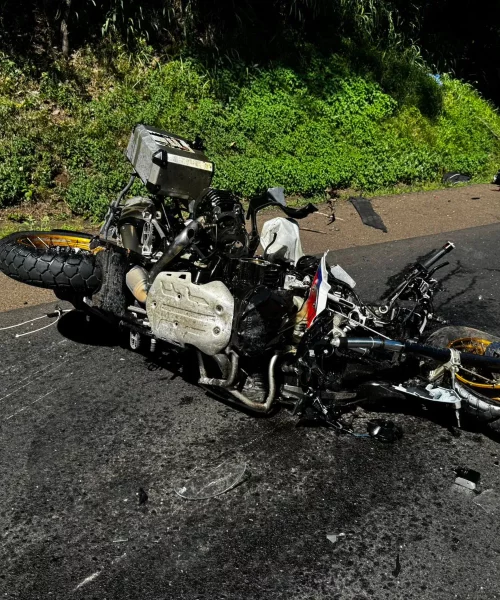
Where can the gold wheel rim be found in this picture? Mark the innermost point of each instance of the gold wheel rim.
(46, 240)
(473, 346)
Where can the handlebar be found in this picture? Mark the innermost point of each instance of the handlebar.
(419, 269)
(444, 354)
(437, 255)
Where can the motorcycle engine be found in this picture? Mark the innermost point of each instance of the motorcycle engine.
(224, 230)
(253, 308)
(262, 306)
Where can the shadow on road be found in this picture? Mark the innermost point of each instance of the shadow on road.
(95, 332)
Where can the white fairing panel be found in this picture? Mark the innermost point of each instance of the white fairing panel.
(181, 312)
(280, 239)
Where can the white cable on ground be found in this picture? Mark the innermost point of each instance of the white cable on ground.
(23, 323)
(58, 312)
(18, 335)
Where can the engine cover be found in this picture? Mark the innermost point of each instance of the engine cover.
(182, 312)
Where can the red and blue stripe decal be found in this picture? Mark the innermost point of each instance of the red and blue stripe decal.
(318, 296)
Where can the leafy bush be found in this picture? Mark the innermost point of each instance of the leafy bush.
(336, 122)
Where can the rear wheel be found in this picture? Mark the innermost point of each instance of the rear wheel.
(58, 260)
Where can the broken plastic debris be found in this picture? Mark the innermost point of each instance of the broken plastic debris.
(489, 501)
(384, 430)
(467, 478)
(465, 483)
(334, 537)
(367, 213)
(143, 497)
(454, 177)
(212, 482)
(397, 570)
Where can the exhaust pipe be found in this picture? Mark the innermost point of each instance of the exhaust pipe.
(185, 237)
(204, 380)
(484, 411)
(137, 282)
(264, 407)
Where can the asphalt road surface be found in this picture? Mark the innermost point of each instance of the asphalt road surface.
(85, 423)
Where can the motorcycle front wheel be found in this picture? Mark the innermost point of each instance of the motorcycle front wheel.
(479, 390)
(58, 260)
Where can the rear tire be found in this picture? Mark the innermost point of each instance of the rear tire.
(54, 260)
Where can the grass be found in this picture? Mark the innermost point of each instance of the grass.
(326, 126)
(43, 218)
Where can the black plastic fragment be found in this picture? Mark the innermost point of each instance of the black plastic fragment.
(454, 177)
(397, 570)
(384, 431)
(368, 214)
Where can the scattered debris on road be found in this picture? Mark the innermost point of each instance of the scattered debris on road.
(467, 478)
(212, 483)
(334, 537)
(87, 580)
(143, 497)
(397, 570)
(384, 431)
(368, 214)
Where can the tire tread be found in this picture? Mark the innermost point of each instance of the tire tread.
(50, 268)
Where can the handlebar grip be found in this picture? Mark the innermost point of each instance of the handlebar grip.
(443, 354)
(440, 354)
(448, 247)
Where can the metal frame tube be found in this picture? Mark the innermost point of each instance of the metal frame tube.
(182, 241)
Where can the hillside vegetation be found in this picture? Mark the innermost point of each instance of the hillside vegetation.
(327, 122)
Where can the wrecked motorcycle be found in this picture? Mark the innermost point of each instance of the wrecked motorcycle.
(179, 270)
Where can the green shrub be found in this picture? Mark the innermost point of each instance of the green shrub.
(343, 121)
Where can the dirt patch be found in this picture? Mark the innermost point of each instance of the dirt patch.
(62, 179)
(405, 216)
